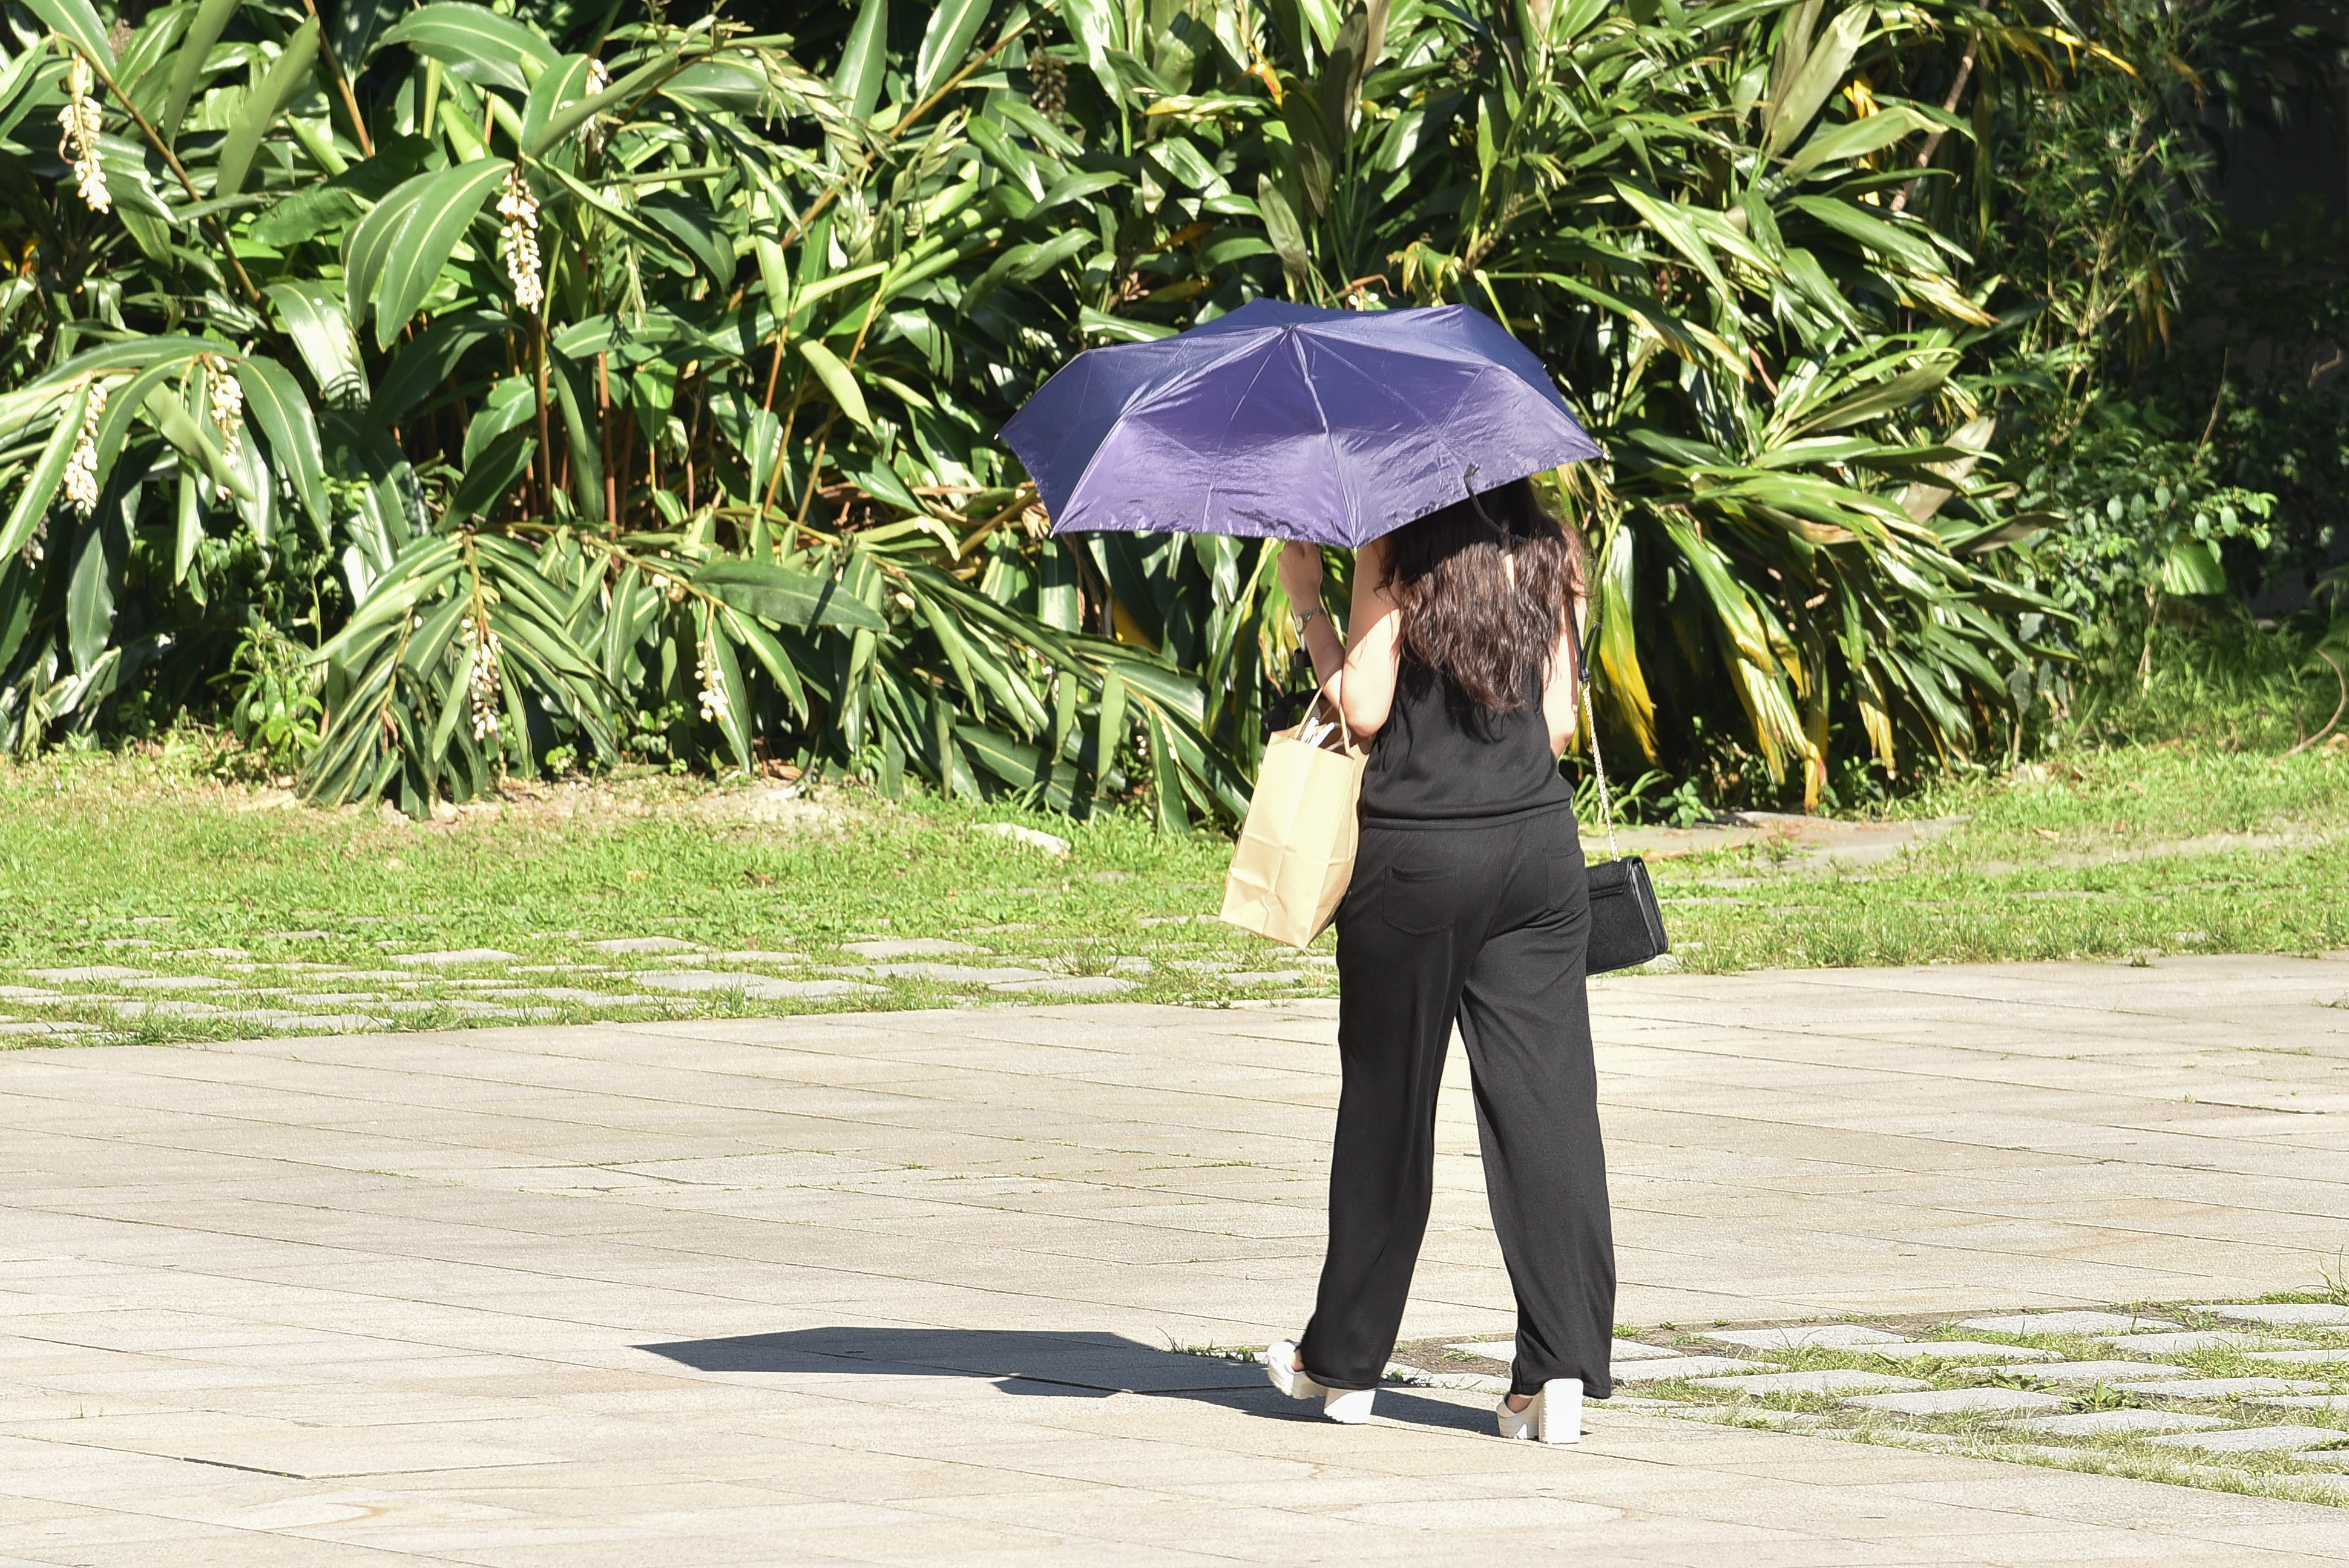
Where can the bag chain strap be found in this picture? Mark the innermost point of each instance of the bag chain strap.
(1590, 723)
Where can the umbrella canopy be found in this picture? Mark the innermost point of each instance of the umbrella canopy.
(1285, 421)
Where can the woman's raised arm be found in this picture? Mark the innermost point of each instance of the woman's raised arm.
(1374, 643)
(1564, 691)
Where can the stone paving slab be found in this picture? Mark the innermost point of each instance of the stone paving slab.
(1961, 1350)
(1651, 1371)
(2093, 1371)
(1957, 1401)
(2256, 1440)
(1831, 1380)
(2104, 1423)
(2288, 1313)
(2217, 1388)
(908, 1287)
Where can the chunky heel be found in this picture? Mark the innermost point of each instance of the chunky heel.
(1554, 1416)
(1347, 1407)
(1561, 1411)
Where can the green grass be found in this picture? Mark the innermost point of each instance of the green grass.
(1985, 1434)
(141, 860)
(2099, 854)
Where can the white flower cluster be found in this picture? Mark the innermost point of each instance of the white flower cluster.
(81, 468)
(228, 405)
(597, 130)
(227, 396)
(481, 674)
(79, 145)
(713, 697)
(518, 241)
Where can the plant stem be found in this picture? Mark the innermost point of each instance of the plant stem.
(342, 82)
(155, 140)
(1949, 106)
(545, 441)
(603, 432)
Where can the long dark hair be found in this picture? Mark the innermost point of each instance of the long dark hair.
(1463, 615)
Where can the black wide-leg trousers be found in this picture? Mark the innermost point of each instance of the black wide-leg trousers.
(1482, 924)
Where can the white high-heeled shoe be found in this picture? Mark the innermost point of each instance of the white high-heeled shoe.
(1347, 1407)
(1554, 1416)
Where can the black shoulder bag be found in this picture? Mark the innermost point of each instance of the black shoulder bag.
(1627, 926)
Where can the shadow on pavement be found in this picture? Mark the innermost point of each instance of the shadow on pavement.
(1083, 1366)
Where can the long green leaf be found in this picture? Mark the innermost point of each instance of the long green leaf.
(857, 77)
(945, 42)
(837, 379)
(188, 68)
(478, 41)
(425, 364)
(555, 91)
(368, 245)
(276, 401)
(262, 107)
(41, 486)
(79, 21)
(358, 27)
(100, 547)
(446, 204)
(322, 335)
(1830, 53)
(790, 598)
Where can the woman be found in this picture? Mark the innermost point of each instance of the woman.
(1468, 905)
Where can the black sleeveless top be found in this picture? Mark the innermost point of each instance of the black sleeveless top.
(1440, 757)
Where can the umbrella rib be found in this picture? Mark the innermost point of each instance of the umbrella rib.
(1209, 504)
(1151, 389)
(1305, 372)
(1436, 430)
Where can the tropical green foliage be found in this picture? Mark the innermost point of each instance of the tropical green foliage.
(580, 388)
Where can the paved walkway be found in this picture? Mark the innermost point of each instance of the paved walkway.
(900, 1288)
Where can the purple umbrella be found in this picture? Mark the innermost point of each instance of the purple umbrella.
(1285, 421)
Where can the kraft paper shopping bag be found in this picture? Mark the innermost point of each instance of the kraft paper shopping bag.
(1296, 852)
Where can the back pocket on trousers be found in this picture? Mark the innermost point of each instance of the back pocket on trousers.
(1417, 900)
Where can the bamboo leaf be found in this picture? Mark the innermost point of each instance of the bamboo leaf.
(837, 379)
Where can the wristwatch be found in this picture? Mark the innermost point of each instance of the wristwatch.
(1300, 619)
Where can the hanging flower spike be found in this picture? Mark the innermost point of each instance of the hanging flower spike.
(713, 696)
(485, 648)
(81, 468)
(79, 146)
(227, 398)
(518, 241)
(596, 131)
